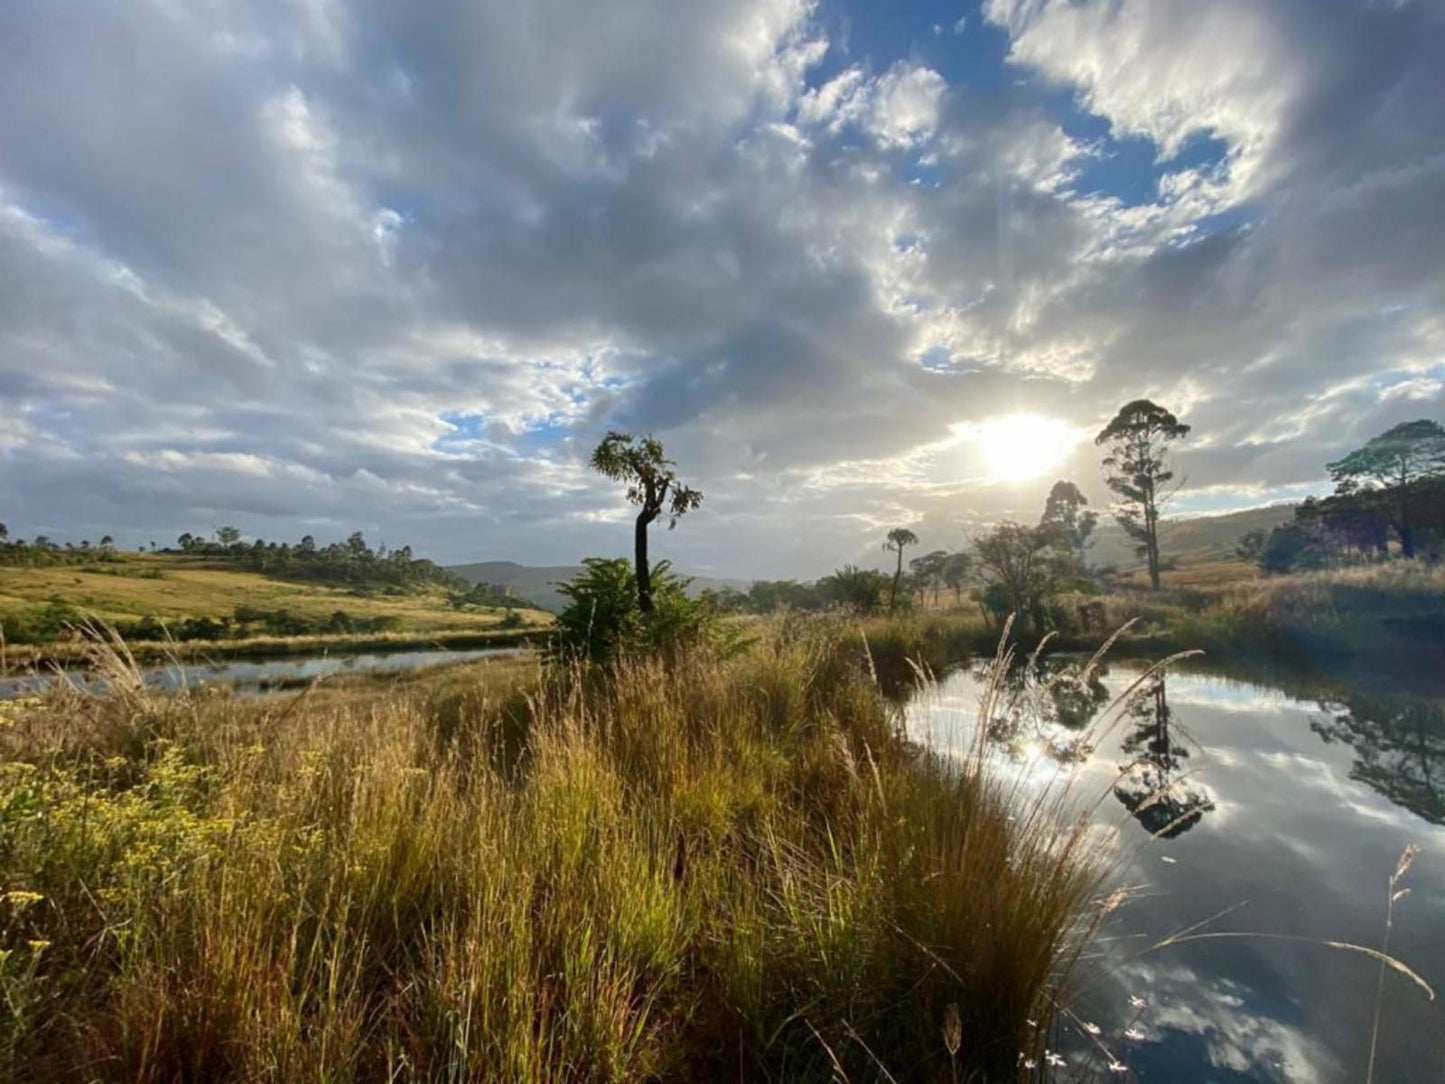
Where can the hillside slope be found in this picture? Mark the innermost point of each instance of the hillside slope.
(1191, 541)
(172, 587)
(536, 584)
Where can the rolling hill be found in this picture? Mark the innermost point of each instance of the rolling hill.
(171, 587)
(536, 583)
(1191, 541)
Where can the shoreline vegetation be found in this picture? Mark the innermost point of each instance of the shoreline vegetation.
(78, 651)
(696, 866)
(1389, 616)
(1380, 620)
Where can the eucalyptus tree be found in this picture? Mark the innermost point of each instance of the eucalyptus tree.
(1067, 513)
(1136, 468)
(956, 571)
(899, 539)
(652, 485)
(928, 572)
(1396, 463)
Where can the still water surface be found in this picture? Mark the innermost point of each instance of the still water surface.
(251, 676)
(1276, 813)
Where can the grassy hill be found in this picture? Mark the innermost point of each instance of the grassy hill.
(172, 587)
(535, 584)
(1195, 540)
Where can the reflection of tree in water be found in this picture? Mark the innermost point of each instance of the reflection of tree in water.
(1399, 746)
(1044, 709)
(1152, 786)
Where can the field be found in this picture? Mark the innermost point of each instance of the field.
(172, 587)
(1192, 540)
(721, 868)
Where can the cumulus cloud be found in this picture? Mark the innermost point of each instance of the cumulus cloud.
(346, 264)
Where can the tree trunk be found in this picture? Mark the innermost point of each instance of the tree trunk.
(1407, 535)
(644, 573)
(897, 576)
(1151, 530)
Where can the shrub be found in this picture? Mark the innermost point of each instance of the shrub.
(602, 622)
(40, 624)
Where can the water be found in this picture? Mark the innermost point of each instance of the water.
(1282, 813)
(254, 676)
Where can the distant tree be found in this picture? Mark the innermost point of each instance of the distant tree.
(1396, 462)
(1136, 469)
(307, 545)
(928, 572)
(107, 543)
(860, 589)
(228, 536)
(1023, 568)
(4, 532)
(955, 573)
(1294, 547)
(899, 539)
(1067, 513)
(651, 484)
(1251, 545)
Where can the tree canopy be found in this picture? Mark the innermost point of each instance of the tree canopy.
(1067, 513)
(1136, 469)
(899, 539)
(652, 485)
(1396, 462)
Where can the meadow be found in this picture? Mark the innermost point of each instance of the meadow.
(727, 866)
(168, 592)
(171, 587)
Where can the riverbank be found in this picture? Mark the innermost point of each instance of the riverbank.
(1379, 620)
(148, 653)
(720, 867)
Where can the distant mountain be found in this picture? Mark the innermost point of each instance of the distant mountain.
(1191, 541)
(536, 583)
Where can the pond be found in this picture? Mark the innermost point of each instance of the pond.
(1242, 809)
(254, 676)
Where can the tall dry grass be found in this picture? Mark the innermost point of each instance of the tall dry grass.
(721, 869)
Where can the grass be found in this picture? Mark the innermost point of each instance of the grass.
(172, 587)
(1390, 616)
(76, 650)
(731, 868)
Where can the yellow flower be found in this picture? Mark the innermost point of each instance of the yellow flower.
(21, 898)
(38, 947)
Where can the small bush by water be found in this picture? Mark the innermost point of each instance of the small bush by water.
(720, 868)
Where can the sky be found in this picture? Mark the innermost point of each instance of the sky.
(312, 266)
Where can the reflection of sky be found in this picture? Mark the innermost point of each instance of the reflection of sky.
(1300, 849)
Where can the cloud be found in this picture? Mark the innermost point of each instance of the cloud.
(341, 264)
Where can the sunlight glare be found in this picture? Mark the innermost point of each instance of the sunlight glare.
(1020, 446)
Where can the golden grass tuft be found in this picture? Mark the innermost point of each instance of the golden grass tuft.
(723, 868)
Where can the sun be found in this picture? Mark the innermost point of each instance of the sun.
(1016, 447)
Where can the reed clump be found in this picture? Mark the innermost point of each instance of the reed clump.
(717, 868)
